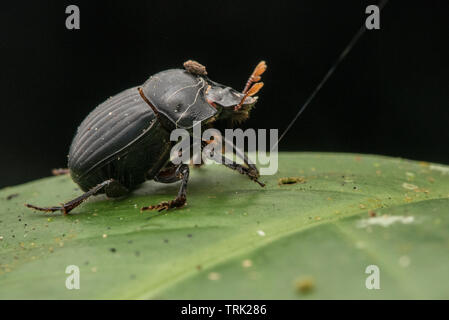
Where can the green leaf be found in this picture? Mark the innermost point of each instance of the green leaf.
(312, 237)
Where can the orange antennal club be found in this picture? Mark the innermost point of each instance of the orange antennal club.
(252, 91)
(255, 76)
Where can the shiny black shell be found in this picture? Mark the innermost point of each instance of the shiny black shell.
(179, 96)
(120, 139)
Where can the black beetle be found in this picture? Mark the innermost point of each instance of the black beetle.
(126, 140)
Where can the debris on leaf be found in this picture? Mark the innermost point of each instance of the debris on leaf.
(12, 196)
(385, 221)
(409, 186)
(410, 176)
(291, 180)
(305, 284)
(214, 276)
(441, 169)
(247, 263)
(404, 261)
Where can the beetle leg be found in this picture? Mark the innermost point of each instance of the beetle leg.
(69, 206)
(60, 171)
(242, 155)
(243, 170)
(249, 171)
(168, 174)
(182, 173)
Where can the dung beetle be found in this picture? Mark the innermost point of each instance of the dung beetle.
(125, 140)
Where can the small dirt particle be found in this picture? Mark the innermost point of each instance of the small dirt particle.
(12, 196)
(214, 276)
(305, 285)
(371, 213)
(247, 263)
(113, 250)
(195, 67)
(291, 180)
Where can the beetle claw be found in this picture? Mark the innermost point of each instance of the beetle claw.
(166, 205)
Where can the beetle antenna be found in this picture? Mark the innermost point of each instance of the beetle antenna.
(255, 76)
(249, 93)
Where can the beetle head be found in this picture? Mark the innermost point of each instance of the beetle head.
(233, 104)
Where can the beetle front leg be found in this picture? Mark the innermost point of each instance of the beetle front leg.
(253, 175)
(251, 170)
(242, 155)
(248, 171)
(182, 173)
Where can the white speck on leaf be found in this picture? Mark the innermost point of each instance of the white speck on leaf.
(261, 233)
(409, 186)
(404, 261)
(443, 170)
(385, 221)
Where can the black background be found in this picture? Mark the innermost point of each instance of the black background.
(390, 95)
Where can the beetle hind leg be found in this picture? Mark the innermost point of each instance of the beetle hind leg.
(69, 206)
(60, 171)
(182, 172)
